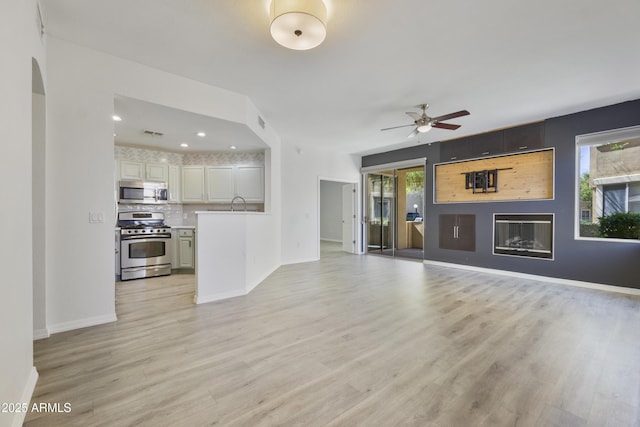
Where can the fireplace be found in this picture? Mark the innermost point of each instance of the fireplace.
(528, 235)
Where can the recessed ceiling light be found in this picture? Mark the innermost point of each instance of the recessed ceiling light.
(201, 134)
(185, 145)
(117, 118)
(233, 147)
(114, 134)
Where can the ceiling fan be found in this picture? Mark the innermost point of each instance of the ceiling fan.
(424, 123)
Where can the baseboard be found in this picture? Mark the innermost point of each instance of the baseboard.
(82, 323)
(330, 240)
(301, 261)
(39, 334)
(202, 299)
(548, 279)
(27, 393)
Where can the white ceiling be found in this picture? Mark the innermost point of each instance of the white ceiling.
(177, 127)
(506, 61)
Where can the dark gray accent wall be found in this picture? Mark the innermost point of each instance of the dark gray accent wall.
(607, 262)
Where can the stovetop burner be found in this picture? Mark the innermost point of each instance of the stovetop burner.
(142, 223)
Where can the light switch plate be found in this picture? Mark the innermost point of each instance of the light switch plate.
(96, 217)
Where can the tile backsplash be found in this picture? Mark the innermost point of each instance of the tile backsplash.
(147, 156)
(172, 212)
(245, 158)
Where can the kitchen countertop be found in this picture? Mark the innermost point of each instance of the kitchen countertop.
(191, 227)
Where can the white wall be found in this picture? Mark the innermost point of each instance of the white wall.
(82, 84)
(19, 43)
(301, 170)
(234, 253)
(331, 210)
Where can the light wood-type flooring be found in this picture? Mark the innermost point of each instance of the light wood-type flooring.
(351, 341)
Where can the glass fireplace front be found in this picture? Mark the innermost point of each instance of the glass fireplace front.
(529, 235)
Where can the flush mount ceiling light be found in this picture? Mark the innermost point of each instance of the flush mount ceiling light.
(298, 24)
(184, 145)
(116, 118)
(201, 134)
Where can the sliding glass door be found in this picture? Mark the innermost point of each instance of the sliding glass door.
(394, 209)
(380, 212)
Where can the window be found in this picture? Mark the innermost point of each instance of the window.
(608, 181)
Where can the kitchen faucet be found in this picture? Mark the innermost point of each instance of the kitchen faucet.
(243, 201)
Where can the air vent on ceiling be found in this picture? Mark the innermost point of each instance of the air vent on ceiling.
(261, 122)
(152, 133)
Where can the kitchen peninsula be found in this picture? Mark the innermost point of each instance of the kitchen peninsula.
(234, 253)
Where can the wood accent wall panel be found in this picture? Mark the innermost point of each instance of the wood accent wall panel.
(530, 178)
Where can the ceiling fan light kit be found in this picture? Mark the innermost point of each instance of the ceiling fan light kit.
(424, 123)
(298, 24)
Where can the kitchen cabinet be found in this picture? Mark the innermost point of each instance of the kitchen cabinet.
(174, 184)
(132, 170)
(183, 248)
(186, 248)
(141, 171)
(526, 137)
(249, 182)
(220, 183)
(157, 172)
(458, 232)
(193, 184)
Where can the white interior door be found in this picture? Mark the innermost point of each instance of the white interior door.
(349, 218)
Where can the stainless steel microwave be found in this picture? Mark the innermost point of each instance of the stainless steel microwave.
(142, 192)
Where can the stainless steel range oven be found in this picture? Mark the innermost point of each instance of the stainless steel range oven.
(145, 245)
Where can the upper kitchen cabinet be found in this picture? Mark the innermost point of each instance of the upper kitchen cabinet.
(132, 170)
(157, 172)
(174, 184)
(250, 183)
(526, 137)
(140, 171)
(193, 184)
(220, 183)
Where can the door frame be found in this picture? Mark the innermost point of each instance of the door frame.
(357, 207)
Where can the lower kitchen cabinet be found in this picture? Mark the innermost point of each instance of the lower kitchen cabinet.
(184, 248)
(187, 254)
(458, 232)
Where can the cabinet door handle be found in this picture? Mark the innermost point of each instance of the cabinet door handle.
(523, 147)
(189, 243)
(484, 153)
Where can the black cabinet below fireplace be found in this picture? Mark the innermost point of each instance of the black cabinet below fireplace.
(458, 232)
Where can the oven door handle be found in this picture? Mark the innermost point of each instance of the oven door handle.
(149, 237)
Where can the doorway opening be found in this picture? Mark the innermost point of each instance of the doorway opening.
(337, 216)
(394, 206)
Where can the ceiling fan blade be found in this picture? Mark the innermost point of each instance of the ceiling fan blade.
(396, 127)
(445, 126)
(414, 116)
(412, 134)
(451, 116)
